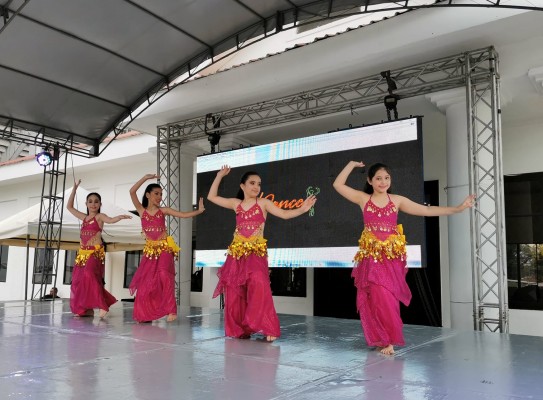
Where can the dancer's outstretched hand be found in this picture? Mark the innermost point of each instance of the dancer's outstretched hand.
(225, 170)
(309, 202)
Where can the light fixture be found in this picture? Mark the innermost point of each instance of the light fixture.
(215, 137)
(391, 100)
(44, 158)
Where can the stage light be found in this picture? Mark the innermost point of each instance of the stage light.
(44, 158)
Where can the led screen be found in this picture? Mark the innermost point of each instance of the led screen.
(328, 235)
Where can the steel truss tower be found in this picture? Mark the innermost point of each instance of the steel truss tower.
(490, 308)
(476, 70)
(169, 171)
(49, 226)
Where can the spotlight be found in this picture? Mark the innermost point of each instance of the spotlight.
(44, 158)
(214, 139)
(391, 100)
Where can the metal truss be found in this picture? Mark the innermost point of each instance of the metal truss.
(441, 74)
(298, 16)
(486, 181)
(169, 171)
(49, 227)
(17, 131)
(477, 71)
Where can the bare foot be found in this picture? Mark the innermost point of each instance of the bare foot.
(387, 351)
(271, 338)
(171, 318)
(102, 314)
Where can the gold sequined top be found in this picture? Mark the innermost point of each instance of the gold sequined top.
(248, 236)
(157, 239)
(382, 238)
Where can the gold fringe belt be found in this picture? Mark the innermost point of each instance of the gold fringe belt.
(85, 252)
(392, 247)
(154, 248)
(242, 246)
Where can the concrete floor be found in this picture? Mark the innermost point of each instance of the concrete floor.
(45, 353)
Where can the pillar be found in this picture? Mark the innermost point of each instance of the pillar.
(453, 104)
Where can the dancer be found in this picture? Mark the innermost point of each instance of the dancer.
(244, 277)
(87, 290)
(154, 280)
(381, 266)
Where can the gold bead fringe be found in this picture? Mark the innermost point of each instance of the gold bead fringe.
(85, 253)
(154, 248)
(392, 247)
(242, 246)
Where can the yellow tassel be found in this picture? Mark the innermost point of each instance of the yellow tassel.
(154, 248)
(242, 246)
(85, 253)
(392, 247)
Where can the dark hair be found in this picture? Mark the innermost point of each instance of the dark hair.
(244, 178)
(371, 173)
(149, 189)
(99, 199)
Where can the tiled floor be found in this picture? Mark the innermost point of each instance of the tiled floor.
(45, 353)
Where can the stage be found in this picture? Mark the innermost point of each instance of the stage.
(47, 353)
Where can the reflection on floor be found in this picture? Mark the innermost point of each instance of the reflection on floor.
(47, 353)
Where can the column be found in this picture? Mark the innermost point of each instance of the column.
(453, 104)
(187, 176)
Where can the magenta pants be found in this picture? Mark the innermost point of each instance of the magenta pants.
(380, 316)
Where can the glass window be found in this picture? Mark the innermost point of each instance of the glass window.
(290, 282)
(524, 237)
(3, 262)
(69, 262)
(197, 277)
(43, 265)
(131, 263)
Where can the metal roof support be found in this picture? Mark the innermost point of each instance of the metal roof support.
(119, 113)
(477, 71)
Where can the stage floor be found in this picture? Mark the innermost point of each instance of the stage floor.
(46, 353)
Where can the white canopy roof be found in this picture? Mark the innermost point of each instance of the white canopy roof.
(124, 235)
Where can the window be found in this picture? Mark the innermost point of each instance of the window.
(197, 276)
(131, 263)
(43, 266)
(524, 237)
(290, 282)
(69, 262)
(3, 262)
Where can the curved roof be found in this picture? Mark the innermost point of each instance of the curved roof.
(81, 68)
(75, 71)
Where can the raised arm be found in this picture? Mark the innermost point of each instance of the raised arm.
(340, 184)
(134, 192)
(410, 207)
(70, 206)
(112, 220)
(288, 214)
(185, 214)
(213, 195)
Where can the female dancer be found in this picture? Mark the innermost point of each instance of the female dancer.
(244, 277)
(379, 274)
(87, 290)
(154, 280)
